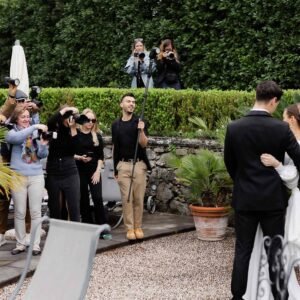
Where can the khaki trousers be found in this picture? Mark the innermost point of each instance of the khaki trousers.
(132, 210)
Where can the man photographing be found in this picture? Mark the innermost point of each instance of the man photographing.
(125, 132)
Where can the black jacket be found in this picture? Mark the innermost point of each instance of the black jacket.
(256, 187)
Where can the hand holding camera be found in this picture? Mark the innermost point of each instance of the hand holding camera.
(12, 81)
(169, 55)
(139, 55)
(43, 134)
(41, 127)
(68, 111)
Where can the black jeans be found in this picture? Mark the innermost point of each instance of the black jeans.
(69, 186)
(272, 223)
(96, 193)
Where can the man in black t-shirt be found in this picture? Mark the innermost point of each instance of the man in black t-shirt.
(124, 137)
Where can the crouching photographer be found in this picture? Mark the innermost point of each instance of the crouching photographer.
(62, 181)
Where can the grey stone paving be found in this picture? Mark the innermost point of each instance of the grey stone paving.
(156, 225)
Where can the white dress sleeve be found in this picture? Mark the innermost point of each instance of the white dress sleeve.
(288, 173)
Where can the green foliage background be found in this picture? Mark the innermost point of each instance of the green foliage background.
(167, 111)
(222, 44)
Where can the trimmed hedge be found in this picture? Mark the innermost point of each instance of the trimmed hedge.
(222, 44)
(166, 110)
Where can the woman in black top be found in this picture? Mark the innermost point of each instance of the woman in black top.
(167, 66)
(62, 181)
(89, 159)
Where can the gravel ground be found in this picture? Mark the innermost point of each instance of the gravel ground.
(174, 267)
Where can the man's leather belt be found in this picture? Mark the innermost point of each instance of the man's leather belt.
(129, 160)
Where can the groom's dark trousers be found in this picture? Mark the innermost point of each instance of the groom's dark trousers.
(259, 195)
(272, 223)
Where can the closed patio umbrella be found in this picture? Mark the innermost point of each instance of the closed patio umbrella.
(18, 67)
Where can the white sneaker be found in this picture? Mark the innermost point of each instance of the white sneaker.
(2, 240)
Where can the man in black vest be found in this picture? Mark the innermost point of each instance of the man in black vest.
(124, 138)
(259, 195)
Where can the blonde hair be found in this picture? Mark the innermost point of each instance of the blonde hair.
(95, 128)
(138, 40)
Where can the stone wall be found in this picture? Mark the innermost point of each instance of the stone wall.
(168, 193)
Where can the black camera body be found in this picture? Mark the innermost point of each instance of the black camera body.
(78, 118)
(9, 126)
(13, 81)
(170, 55)
(47, 136)
(140, 55)
(34, 94)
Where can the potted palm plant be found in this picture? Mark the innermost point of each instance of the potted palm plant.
(210, 187)
(209, 183)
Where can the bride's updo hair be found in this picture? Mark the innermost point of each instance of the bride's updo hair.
(294, 110)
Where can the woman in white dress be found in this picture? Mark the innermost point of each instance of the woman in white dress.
(290, 177)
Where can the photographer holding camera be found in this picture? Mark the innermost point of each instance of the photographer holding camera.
(168, 66)
(17, 98)
(26, 152)
(138, 65)
(62, 181)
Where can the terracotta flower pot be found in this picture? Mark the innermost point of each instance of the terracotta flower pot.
(210, 222)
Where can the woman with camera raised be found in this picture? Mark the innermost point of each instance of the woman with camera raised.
(168, 66)
(89, 159)
(26, 152)
(138, 65)
(62, 181)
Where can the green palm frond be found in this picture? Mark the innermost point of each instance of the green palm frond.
(9, 179)
(199, 122)
(205, 174)
(3, 131)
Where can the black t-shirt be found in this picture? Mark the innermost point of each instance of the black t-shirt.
(124, 137)
(85, 145)
(127, 138)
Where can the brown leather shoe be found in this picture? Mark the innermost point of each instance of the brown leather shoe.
(130, 235)
(139, 233)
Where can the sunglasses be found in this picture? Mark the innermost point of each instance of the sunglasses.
(21, 100)
(91, 120)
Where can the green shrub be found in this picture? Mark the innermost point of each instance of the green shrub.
(168, 111)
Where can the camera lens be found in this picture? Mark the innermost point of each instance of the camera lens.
(141, 55)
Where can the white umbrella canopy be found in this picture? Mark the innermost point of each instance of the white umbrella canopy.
(18, 67)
